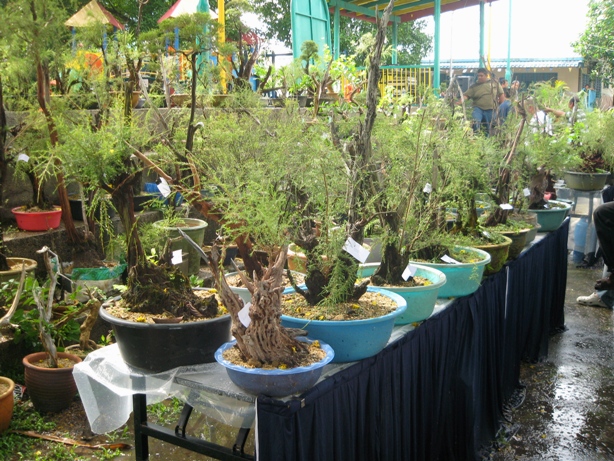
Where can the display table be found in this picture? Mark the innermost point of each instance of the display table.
(436, 391)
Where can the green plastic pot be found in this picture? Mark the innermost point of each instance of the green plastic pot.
(552, 218)
(195, 229)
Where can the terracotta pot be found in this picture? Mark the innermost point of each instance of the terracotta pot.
(6, 404)
(37, 221)
(51, 389)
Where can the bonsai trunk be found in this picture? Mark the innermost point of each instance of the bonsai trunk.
(264, 340)
(3, 133)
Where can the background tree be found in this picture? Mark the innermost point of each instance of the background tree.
(596, 45)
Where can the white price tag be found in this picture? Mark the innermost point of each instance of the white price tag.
(427, 188)
(449, 260)
(526, 191)
(409, 272)
(164, 188)
(244, 315)
(23, 158)
(177, 257)
(356, 249)
(506, 206)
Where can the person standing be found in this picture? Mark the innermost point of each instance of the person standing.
(485, 95)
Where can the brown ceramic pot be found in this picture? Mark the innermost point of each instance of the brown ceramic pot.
(6, 404)
(50, 389)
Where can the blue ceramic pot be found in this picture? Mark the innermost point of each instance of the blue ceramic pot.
(420, 300)
(274, 382)
(351, 339)
(461, 279)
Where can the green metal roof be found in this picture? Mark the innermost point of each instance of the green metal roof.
(403, 10)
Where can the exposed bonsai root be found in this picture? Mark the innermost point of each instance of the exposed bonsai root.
(158, 289)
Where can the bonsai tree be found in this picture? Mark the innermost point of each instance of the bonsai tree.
(39, 36)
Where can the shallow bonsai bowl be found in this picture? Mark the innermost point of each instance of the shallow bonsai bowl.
(420, 300)
(464, 278)
(351, 339)
(552, 218)
(274, 382)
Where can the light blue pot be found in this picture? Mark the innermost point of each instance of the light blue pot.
(274, 382)
(351, 339)
(461, 279)
(551, 219)
(420, 300)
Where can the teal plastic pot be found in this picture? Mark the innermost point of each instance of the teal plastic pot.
(420, 300)
(461, 279)
(274, 382)
(351, 339)
(552, 218)
(195, 229)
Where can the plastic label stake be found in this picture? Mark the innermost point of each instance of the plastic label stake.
(164, 188)
(427, 188)
(506, 206)
(177, 257)
(526, 191)
(23, 158)
(449, 260)
(356, 249)
(409, 272)
(244, 315)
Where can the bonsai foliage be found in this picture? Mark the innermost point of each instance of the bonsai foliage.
(35, 29)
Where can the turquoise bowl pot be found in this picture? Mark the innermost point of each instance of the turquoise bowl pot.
(551, 219)
(420, 300)
(461, 279)
(274, 382)
(351, 339)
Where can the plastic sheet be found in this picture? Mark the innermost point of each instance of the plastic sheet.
(106, 386)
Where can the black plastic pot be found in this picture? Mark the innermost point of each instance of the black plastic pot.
(159, 347)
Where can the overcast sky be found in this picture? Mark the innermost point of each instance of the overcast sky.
(540, 29)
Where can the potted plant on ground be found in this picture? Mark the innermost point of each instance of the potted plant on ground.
(48, 375)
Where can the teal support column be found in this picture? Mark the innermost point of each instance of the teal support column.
(336, 31)
(203, 7)
(482, 63)
(508, 69)
(436, 66)
(395, 42)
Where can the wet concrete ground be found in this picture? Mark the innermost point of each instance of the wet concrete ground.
(568, 408)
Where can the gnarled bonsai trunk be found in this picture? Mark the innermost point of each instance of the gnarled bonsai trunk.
(264, 340)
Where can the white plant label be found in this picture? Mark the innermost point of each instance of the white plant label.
(427, 188)
(486, 234)
(449, 260)
(244, 315)
(526, 191)
(409, 272)
(164, 188)
(177, 257)
(506, 206)
(23, 158)
(356, 249)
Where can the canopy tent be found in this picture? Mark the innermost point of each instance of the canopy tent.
(308, 16)
(93, 13)
(187, 7)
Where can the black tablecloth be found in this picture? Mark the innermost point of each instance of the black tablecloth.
(437, 393)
